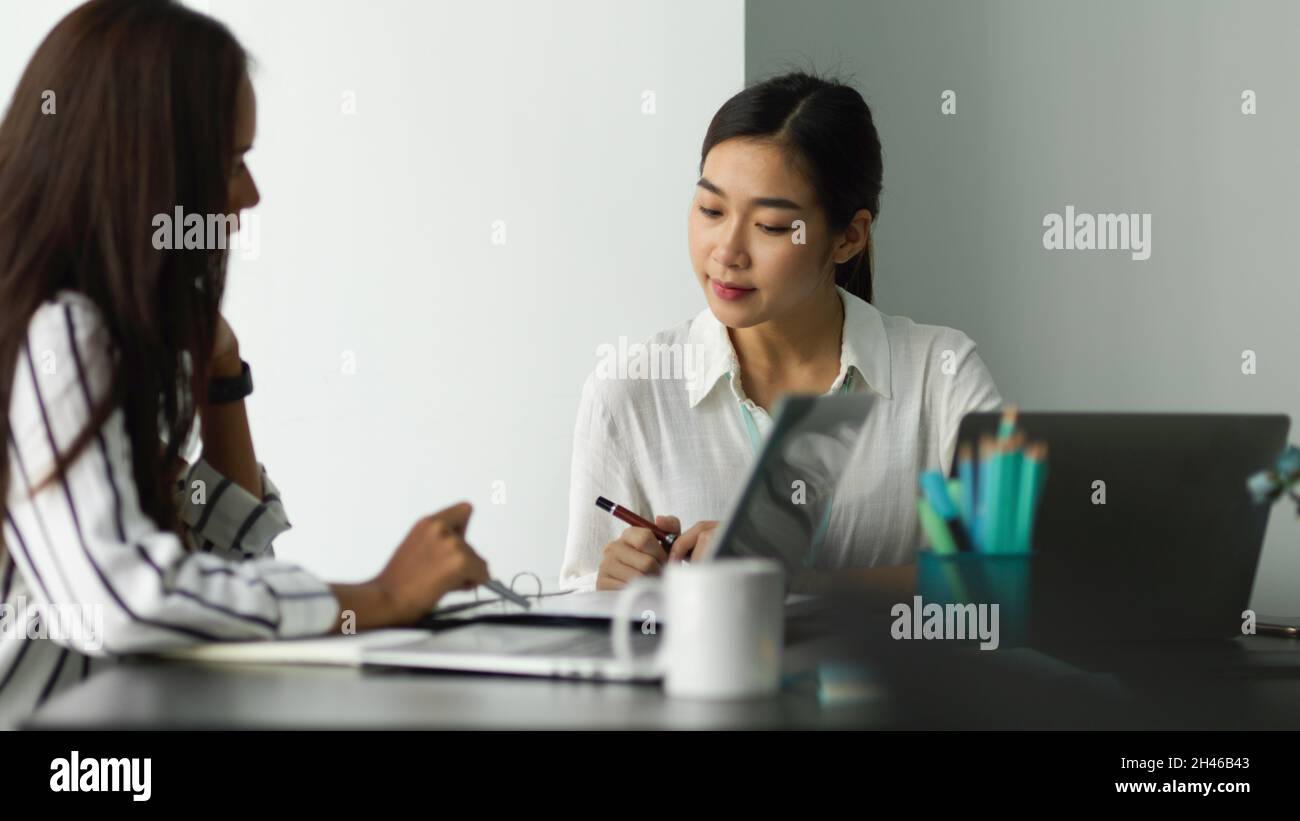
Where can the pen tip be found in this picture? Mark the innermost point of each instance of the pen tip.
(604, 504)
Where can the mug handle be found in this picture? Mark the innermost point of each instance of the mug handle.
(624, 607)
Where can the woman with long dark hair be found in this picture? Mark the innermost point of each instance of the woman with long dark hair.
(780, 239)
(112, 344)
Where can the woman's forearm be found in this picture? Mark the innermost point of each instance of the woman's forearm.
(363, 606)
(227, 438)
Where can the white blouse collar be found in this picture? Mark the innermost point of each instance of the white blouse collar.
(864, 347)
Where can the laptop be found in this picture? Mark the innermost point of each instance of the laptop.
(811, 440)
(1146, 529)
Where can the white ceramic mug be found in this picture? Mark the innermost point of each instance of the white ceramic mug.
(724, 627)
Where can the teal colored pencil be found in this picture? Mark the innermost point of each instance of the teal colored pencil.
(1030, 488)
(932, 523)
(982, 486)
(1008, 424)
(959, 499)
(1013, 457)
(994, 503)
(1039, 483)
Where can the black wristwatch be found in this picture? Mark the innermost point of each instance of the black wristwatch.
(232, 388)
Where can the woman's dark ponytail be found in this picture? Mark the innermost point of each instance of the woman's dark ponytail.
(829, 130)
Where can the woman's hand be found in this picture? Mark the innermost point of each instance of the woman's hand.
(433, 560)
(225, 361)
(636, 552)
(225, 350)
(694, 542)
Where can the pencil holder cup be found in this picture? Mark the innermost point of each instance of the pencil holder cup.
(984, 580)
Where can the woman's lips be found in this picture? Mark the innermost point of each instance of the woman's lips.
(729, 292)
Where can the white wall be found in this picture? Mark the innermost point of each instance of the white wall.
(375, 239)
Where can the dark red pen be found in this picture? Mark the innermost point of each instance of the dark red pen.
(623, 514)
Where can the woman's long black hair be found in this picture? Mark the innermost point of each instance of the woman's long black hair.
(143, 121)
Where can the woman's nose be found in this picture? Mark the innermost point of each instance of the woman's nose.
(730, 252)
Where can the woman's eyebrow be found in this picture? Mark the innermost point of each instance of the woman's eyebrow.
(766, 202)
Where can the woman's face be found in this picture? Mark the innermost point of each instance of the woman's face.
(750, 261)
(243, 191)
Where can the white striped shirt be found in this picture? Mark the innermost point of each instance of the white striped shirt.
(85, 575)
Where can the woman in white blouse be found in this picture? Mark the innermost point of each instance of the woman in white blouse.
(780, 240)
(111, 345)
